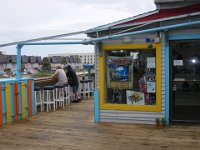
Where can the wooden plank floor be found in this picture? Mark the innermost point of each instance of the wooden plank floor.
(73, 128)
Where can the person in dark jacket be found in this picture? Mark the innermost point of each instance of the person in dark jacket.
(73, 82)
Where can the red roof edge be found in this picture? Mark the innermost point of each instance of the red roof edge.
(164, 13)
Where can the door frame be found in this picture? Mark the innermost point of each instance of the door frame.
(171, 37)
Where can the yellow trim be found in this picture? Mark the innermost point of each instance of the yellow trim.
(101, 80)
(102, 83)
(8, 104)
(23, 100)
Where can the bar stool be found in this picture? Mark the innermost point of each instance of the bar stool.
(59, 95)
(84, 88)
(49, 97)
(67, 94)
(38, 98)
(90, 86)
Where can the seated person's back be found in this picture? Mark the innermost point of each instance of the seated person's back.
(60, 75)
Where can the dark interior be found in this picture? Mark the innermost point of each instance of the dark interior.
(185, 81)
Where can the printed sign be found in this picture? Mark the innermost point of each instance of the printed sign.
(151, 62)
(178, 62)
(134, 98)
(151, 87)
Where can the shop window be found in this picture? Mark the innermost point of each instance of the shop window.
(130, 76)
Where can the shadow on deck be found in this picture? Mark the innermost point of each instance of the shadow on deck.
(73, 128)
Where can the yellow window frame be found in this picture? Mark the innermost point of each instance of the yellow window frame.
(107, 106)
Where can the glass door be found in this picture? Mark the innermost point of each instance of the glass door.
(185, 81)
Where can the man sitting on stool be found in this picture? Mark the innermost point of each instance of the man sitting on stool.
(60, 76)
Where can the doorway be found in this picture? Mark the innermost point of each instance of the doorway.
(185, 81)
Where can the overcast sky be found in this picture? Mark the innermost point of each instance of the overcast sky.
(27, 19)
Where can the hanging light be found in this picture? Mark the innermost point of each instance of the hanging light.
(193, 61)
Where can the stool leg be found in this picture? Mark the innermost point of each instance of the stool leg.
(47, 97)
(40, 101)
(35, 101)
(50, 97)
(68, 95)
(60, 96)
(63, 97)
(54, 102)
(56, 96)
(43, 99)
(88, 89)
(83, 91)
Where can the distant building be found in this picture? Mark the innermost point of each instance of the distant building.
(28, 62)
(80, 58)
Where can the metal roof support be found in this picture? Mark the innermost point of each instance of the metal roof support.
(18, 69)
(43, 38)
(54, 43)
(19, 47)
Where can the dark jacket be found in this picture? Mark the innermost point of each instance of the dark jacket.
(72, 78)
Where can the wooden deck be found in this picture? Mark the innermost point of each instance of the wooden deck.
(73, 128)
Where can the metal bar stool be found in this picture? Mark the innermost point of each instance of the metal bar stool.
(67, 94)
(59, 95)
(38, 98)
(49, 97)
(84, 88)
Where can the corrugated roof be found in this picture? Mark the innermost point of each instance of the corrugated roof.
(57, 59)
(3, 59)
(164, 13)
(66, 59)
(109, 25)
(38, 59)
(32, 59)
(24, 59)
(147, 17)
